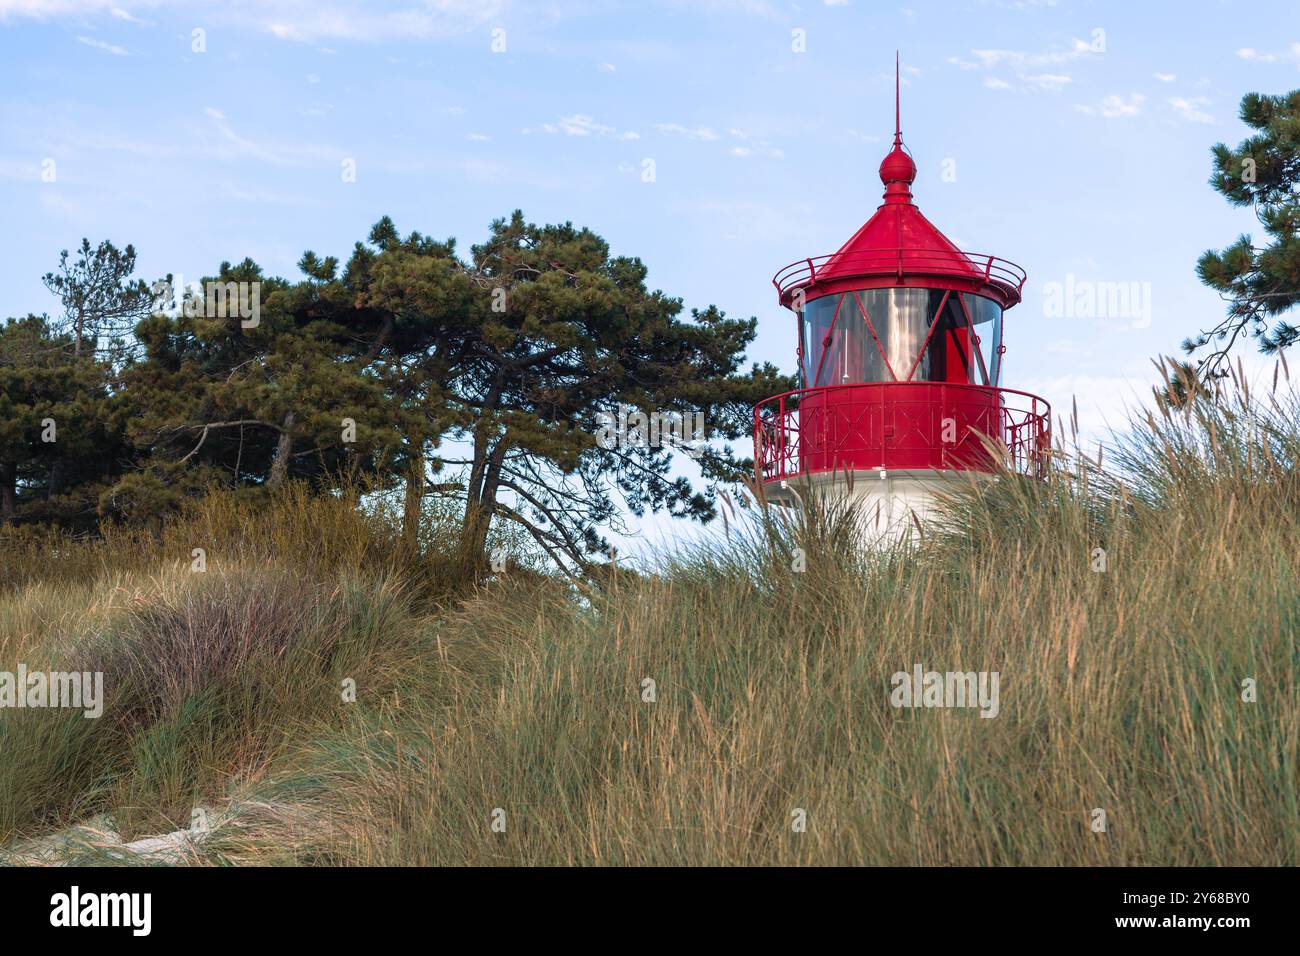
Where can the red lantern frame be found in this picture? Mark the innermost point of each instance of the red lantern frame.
(901, 424)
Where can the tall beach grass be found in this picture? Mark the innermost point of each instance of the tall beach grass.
(1142, 611)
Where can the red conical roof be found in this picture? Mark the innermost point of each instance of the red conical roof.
(898, 246)
(898, 238)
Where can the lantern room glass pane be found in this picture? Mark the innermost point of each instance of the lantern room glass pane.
(986, 316)
(839, 349)
(947, 355)
(824, 354)
(901, 318)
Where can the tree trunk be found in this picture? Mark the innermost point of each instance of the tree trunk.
(283, 449)
(58, 474)
(413, 506)
(8, 492)
(472, 558)
(480, 504)
(469, 553)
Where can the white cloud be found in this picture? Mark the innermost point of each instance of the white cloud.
(579, 124)
(757, 149)
(1104, 402)
(53, 9)
(337, 20)
(1256, 56)
(1048, 81)
(608, 68)
(1021, 60)
(1190, 109)
(750, 8)
(112, 48)
(117, 13)
(692, 132)
(1165, 77)
(753, 147)
(302, 21)
(1025, 65)
(1250, 53)
(1114, 106)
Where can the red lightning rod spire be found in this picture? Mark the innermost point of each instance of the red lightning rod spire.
(898, 170)
(898, 123)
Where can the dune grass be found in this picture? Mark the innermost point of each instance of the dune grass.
(204, 682)
(528, 705)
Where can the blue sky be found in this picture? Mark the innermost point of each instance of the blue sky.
(1075, 136)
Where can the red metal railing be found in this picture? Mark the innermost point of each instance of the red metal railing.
(901, 425)
(968, 265)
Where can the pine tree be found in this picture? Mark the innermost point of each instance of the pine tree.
(513, 356)
(224, 397)
(101, 299)
(1259, 283)
(486, 384)
(61, 440)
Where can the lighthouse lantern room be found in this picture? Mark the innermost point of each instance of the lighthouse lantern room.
(899, 367)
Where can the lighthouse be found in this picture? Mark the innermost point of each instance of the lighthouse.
(899, 354)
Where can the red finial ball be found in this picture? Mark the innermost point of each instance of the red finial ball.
(897, 167)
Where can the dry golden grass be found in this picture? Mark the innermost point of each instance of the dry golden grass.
(1121, 690)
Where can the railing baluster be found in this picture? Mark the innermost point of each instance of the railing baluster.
(1024, 432)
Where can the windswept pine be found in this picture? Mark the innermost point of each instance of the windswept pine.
(476, 384)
